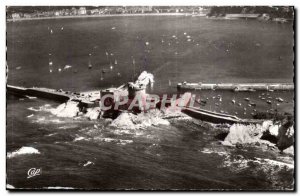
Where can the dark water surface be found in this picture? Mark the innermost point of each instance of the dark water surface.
(158, 157)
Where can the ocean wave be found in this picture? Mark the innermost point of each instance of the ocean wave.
(58, 187)
(51, 134)
(215, 151)
(238, 163)
(29, 116)
(46, 108)
(110, 140)
(81, 138)
(8, 186)
(33, 109)
(22, 151)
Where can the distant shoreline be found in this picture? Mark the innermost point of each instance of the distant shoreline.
(147, 14)
(106, 15)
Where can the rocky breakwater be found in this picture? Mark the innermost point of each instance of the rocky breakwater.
(276, 133)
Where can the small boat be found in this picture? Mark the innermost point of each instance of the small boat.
(241, 89)
(279, 99)
(251, 90)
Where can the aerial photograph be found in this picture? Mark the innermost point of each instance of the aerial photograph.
(126, 98)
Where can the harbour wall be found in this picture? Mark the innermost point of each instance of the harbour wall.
(39, 92)
(236, 87)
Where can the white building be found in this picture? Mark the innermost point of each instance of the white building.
(82, 11)
(15, 16)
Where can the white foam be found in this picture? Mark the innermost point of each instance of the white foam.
(226, 143)
(33, 109)
(8, 186)
(29, 116)
(51, 134)
(42, 119)
(207, 151)
(56, 121)
(93, 113)
(22, 151)
(88, 163)
(106, 139)
(79, 139)
(124, 142)
(30, 97)
(274, 129)
(278, 163)
(59, 187)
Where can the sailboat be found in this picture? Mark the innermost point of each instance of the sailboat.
(90, 64)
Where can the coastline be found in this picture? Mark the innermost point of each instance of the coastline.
(147, 14)
(99, 16)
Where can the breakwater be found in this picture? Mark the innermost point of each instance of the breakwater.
(60, 96)
(236, 86)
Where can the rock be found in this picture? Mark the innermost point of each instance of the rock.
(238, 145)
(285, 137)
(93, 113)
(289, 150)
(244, 133)
(68, 109)
(221, 133)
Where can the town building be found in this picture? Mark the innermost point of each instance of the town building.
(15, 16)
(82, 11)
